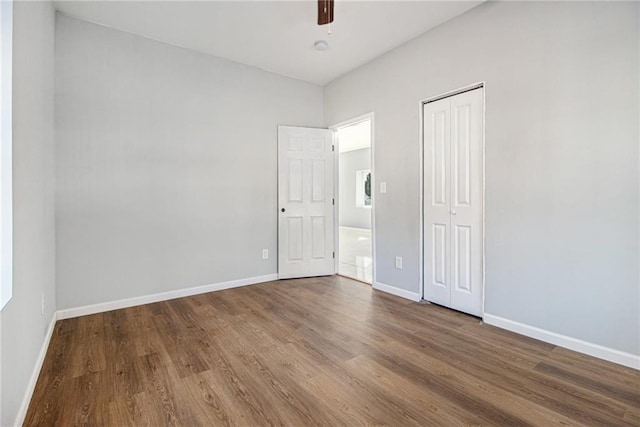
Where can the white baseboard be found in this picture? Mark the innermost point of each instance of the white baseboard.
(31, 386)
(163, 296)
(595, 350)
(413, 296)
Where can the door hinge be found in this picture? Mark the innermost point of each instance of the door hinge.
(334, 254)
(333, 148)
(333, 201)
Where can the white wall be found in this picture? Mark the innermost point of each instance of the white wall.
(561, 158)
(165, 164)
(23, 325)
(350, 214)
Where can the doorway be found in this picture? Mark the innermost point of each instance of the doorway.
(355, 191)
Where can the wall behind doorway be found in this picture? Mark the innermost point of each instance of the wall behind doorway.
(349, 163)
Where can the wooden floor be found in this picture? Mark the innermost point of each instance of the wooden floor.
(327, 351)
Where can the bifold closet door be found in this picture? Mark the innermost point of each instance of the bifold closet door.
(453, 185)
(437, 190)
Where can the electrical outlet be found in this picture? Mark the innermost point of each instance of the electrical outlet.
(383, 187)
(42, 305)
(399, 262)
(265, 254)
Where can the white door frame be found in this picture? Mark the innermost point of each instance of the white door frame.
(334, 128)
(481, 84)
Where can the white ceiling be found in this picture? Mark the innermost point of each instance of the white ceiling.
(275, 36)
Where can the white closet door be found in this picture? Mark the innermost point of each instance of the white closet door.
(466, 202)
(437, 190)
(453, 186)
(305, 199)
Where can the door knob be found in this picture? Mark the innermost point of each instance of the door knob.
(453, 212)
(282, 210)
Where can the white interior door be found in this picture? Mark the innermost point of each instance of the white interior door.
(306, 202)
(453, 186)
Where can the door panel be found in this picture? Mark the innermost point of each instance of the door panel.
(466, 218)
(305, 199)
(318, 181)
(461, 156)
(318, 240)
(295, 180)
(294, 238)
(436, 213)
(439, 138)
(462, 259)
(453, 186)
(439, 257)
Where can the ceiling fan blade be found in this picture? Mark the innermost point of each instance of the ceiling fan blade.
(325, 11)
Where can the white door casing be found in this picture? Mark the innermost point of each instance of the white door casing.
(453, 197)
(305, 202)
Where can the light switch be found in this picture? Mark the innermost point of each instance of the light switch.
(399, 263)
(383, 187)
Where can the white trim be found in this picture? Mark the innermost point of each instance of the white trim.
(6, 143)
(374, 187)
(595, 350)
(421, 197)
(336, 202)
(413, 296)
(353, 121)
(163, 296)
(22, 412)
(454, 92)
(484, 195)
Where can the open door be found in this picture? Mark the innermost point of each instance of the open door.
(305, 202)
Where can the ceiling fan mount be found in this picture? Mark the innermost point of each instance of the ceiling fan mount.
(325, 12)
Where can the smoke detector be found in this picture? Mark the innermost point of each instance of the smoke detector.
(321, 45)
